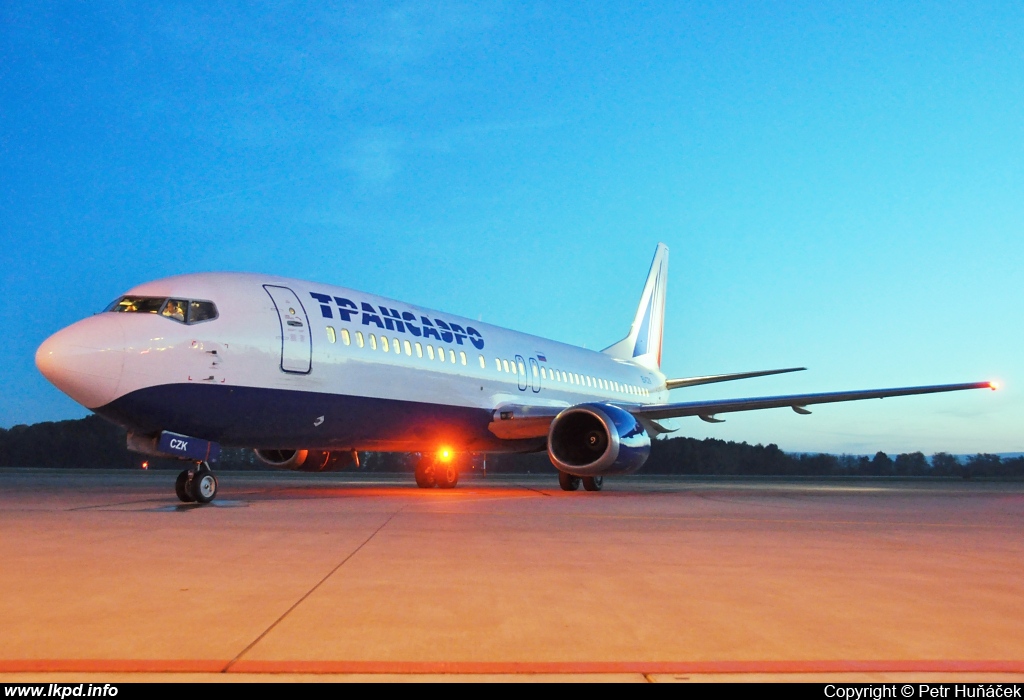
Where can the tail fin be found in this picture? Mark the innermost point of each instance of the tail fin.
(643, 344)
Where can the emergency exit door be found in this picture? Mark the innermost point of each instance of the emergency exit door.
(296, 341)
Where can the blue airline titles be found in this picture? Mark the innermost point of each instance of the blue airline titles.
(189, 363)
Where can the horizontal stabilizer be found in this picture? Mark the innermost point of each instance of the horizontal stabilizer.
(715, 378)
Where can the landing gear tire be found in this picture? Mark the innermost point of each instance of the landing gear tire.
(204, 486)
(446, 475)
(181, 487)
(593, 483)
(425, 474)
(568, 482)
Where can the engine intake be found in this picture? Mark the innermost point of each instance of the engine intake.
(594, 439)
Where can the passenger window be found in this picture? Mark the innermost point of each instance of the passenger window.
(408, 348)
(373, 341)
(430, 351)
(522, 368)
(331, 337)
(345, 337)
(384, 343)
(397, 346)
(440, 354)
(497, 363)
(175, 309)
(534, 368)
(483, 362)
(505, 365)
(359, 338)
(451, 356)
(543, 375)
(419, 350)
(199, 311)
(462, 357)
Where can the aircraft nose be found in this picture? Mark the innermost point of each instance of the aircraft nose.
(85, 359)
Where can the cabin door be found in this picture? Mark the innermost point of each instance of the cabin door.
(296, 341)
(521, 372)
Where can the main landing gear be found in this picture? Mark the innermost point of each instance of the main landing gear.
(568, 482)
(196, 485)
(440, 470)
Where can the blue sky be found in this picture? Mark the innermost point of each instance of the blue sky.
(841, 184)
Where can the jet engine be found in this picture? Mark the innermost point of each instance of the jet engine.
(594, 439)
(307, 460)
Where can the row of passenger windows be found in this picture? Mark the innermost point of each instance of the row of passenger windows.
(397, 346)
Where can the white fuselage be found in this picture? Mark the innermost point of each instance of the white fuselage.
(293, 364)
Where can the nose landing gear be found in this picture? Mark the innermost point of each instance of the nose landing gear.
(196, 485)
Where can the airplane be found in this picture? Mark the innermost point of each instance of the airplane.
(308, 375)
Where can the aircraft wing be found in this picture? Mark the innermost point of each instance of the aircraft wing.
(519, 422)
(798, 402)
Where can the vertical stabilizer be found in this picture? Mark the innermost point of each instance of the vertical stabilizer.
(643, 344)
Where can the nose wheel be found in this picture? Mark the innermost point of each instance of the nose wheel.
(196, 485)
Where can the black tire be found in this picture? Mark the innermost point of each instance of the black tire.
(593, 483)
(425, 474)
(204, 486)
(181, 488)
(568, 482)
(446, 475)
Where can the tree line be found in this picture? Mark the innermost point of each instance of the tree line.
(92, 442)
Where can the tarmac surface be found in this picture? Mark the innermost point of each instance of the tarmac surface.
(105, 576)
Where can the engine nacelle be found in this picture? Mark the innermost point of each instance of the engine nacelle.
(594, 439)
(307, 460)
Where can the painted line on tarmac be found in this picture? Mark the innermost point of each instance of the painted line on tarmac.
(507, 667)
(308, 593)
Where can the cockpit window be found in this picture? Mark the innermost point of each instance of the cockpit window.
(175, 309)
(199, 311)
(180, 310)
(137, 305)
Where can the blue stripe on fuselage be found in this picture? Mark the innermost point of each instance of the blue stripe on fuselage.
(284, 419)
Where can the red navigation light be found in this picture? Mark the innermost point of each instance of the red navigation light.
(994, 386)
(145, 465)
